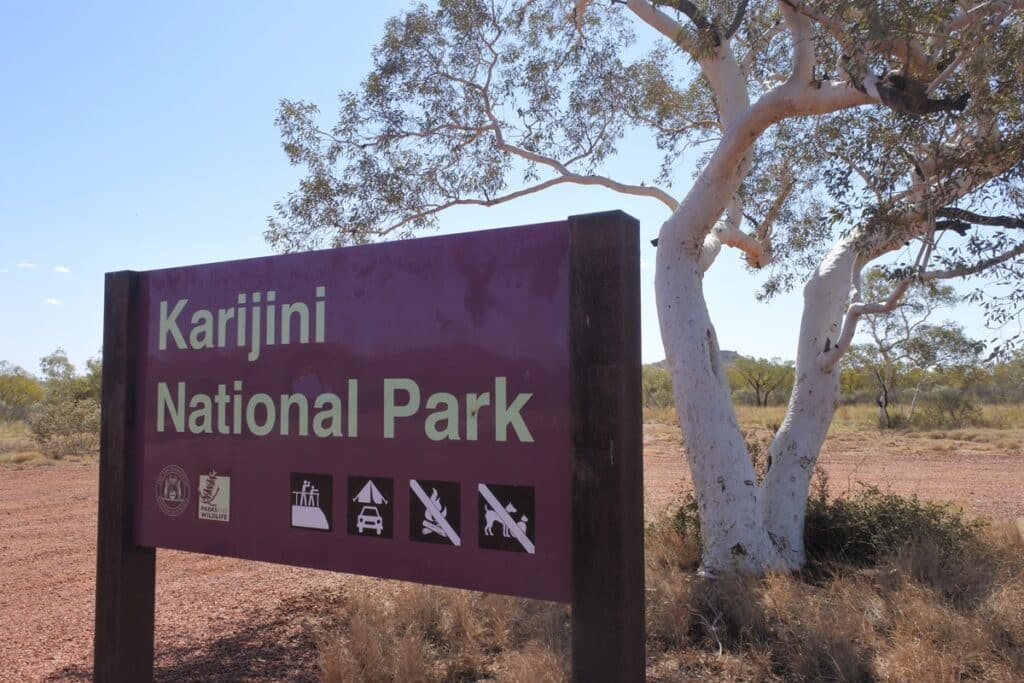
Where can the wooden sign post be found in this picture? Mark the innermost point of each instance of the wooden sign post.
(461, 411)
(608, 629)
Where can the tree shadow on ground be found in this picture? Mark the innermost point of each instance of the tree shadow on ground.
(280, 646)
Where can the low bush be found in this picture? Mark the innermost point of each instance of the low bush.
(896, 589)
(657, 387)
(949, 408)
(64, 426)
(860, 528)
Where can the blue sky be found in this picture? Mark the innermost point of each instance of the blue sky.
(140, 135)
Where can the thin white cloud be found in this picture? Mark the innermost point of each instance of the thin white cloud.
(62, 269)
(51, 301)
(25, 264)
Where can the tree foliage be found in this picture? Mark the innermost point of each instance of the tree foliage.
(67, 420)
(826, 137)
(464, 101)
(478, 103)
(762, 377)
(19, 391)
(903, 343)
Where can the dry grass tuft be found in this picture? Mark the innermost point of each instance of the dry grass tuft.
(424, 634)
(908, 591)
(17, 447)
(24, 459)
(534, 663)
(946, 604)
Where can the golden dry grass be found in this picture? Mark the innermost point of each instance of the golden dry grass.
(920, 612)
(17, 447)
(1003, 425)
(915, 615)
(19, 450)
(424, 634)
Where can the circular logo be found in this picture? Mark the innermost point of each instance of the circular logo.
(172, 490)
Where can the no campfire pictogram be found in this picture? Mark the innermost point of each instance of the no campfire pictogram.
(434, 517)
(506, 518)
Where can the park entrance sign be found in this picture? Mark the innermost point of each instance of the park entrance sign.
(460, 410)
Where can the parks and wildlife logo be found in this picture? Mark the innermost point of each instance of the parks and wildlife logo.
(172, 490)
(215, 496)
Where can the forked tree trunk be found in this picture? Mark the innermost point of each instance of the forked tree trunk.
(736, 512)
(745, 526)
(732, 522)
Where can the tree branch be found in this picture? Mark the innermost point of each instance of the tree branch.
(963, 53)
(972, 218)
(802, 36)
(964, 19)
(573, 179)
(734, 25)
(662, 23)
(764, 228)
(696, 16)
(671, 130)
(973, 269)
(854, 313)
(493, 201)
(757, 44)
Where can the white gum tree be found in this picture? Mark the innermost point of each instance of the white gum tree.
(827, 136)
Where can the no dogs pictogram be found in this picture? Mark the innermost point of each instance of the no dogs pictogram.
(506, 519)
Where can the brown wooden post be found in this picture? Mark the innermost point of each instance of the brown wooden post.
(125, 573)
(608, 630)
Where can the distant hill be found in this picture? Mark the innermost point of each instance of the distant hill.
(728, 357)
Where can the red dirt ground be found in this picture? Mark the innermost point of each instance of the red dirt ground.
(225, 619)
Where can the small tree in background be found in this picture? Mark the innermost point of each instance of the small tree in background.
(657, 383)
(763, 377)
(19, 391)
(904, 344)
(67, 421)
(944, 350)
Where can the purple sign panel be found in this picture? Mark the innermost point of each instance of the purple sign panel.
(399, 410)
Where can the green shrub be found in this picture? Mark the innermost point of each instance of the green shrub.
(950, 408)
(63, 426)
(657, 383)
(862, 528)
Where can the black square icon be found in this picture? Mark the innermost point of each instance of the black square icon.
(370, 506)
(311, 501)
(434, 512)
(506, 519)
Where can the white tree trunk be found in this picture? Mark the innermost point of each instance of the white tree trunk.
(815, 398)
(733, 508)
(732, 524)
